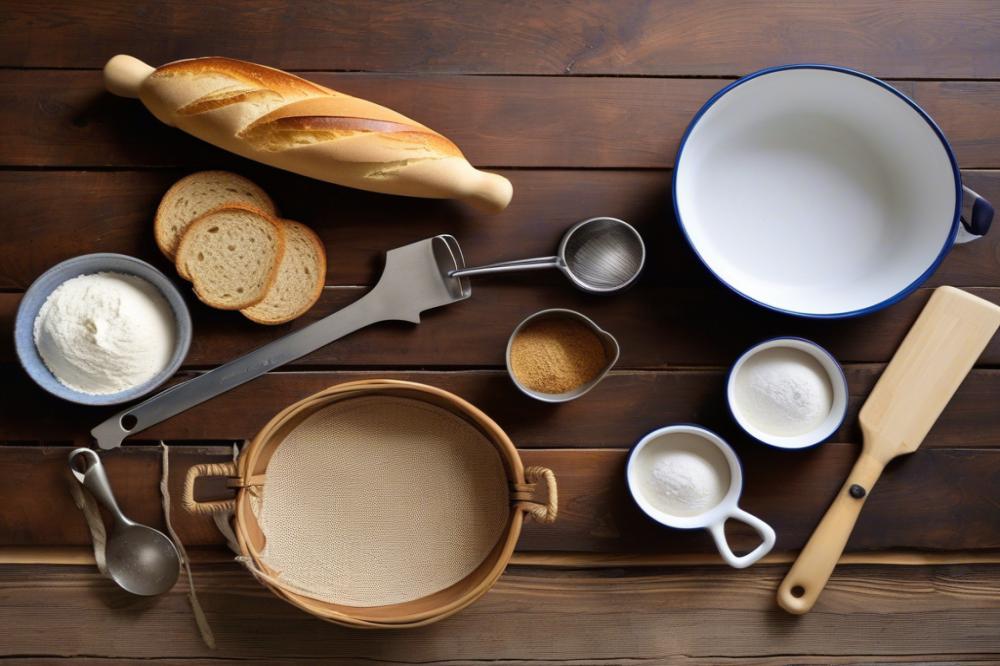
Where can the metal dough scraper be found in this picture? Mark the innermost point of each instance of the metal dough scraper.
(416, 278)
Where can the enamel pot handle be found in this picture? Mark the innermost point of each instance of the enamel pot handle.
(979, 218)
(765, 531)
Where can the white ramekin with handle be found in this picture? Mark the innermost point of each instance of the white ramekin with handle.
(717, 453)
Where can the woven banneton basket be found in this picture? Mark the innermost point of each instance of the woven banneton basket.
(379, 503)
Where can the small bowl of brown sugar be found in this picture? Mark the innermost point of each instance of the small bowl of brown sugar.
(558, 355)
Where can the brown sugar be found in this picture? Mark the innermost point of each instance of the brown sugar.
(556, 355)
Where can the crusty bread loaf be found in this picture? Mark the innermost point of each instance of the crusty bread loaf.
(300, 278)
(232, 256)
(194, 195)
(274, 117)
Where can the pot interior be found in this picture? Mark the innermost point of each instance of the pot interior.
(816, 191)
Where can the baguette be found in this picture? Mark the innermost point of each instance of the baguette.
(279, 119)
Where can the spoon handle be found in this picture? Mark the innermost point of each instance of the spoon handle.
(95, 479)
(508, 266)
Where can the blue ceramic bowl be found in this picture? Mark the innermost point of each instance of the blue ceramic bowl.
(40, 290)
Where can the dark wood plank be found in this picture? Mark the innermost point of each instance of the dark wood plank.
(937, 499)
(679, 327)
(911, 507)
(706, 615)
(34, 518)
(114, 212)
(616, 414)
(823, 660)
(64, 118)
(932, 38)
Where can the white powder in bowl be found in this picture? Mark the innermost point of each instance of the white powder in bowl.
(105, 332)
(686, 483)
(783, 391)
(683, 475)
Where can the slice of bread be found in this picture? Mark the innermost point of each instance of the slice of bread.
(300, 279)
(232, 256)
(194, 195)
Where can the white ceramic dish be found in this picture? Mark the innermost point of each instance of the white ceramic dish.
(820, 191)
(714, 450)
(838, 388)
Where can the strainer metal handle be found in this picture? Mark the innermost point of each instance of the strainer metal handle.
(509, 266)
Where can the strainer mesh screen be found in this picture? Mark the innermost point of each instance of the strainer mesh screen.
(378, 500)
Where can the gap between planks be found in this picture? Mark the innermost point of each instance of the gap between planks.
(721, 76)
(82, 555)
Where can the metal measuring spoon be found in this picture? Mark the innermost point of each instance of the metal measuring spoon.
(140, 559)
(600, 255)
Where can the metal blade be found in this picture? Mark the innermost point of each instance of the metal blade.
(416, 278)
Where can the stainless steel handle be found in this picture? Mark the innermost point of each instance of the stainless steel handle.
(363, 312)
(95, 479)
(509, 266)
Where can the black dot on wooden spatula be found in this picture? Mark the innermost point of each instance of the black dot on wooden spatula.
(856, 491)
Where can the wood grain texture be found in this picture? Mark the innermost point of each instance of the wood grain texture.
(932, 38)
(616, 414)
(64, 118)
(82, 171)
(706, 615)
(680, 328)
(934, 500)
(116, 208)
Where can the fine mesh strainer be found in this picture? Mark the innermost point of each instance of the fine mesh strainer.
(379, 503)
(600, 255)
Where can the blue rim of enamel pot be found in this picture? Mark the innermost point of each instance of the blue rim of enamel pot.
(821, 348)
(682, 424)
(906, 291)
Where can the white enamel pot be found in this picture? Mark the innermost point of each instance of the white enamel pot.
(820, 191)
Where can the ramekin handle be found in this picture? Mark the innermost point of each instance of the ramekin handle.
(766, 532)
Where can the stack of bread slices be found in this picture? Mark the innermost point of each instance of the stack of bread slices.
(224, 235)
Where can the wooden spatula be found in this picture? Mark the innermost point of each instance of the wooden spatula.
(928, 367)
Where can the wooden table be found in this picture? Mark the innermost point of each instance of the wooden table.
(581, 104)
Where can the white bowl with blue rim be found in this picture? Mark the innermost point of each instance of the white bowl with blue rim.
(820, 191)
(825, 365)
(88, 264)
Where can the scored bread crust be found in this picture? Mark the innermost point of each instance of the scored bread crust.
(252, 312)
(189, 233)
(160, 233)
(280, 119)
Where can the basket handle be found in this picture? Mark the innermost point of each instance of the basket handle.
(543, 513)
(191, 505)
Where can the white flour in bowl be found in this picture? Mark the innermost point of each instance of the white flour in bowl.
(683, 483)
(105, 332)
(783, 391)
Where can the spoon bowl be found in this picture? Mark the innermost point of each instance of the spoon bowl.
(142, 560)
(139, 559)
